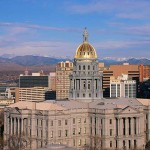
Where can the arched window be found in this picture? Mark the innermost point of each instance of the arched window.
(93, 67)
(84, 67)
(79, 67)
(88, 67)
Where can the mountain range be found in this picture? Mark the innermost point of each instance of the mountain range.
(30, 60)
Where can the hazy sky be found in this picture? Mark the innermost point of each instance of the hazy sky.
(117, 28)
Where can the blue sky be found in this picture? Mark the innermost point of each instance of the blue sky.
(117, 28)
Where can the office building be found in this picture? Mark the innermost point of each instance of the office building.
(144, 72)
(63, 70)
(106, 82)
(34, 80)
(32, 94)
(52, 80)
(122, 87)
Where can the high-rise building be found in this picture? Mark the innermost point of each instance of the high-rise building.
(117, 70)
(34, 80)
(35, 94)
(106, 82)
(122, 87)
(63, 70)
(52, 79)
(144, 72)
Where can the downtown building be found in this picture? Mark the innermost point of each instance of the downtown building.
(85, 120)
(122, 87)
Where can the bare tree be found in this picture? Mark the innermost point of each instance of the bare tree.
(95, 143)
(17, 142)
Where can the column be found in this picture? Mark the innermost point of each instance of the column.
(18, 126)
(14, 126)
(126, 126)
(121, 127)
(138, 125)
(132, 126)
(11, 126)
(22, 126)
(118, 126)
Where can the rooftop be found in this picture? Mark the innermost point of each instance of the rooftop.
(74, 104)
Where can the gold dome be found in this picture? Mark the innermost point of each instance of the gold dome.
(85, 50)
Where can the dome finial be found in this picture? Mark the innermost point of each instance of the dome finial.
(85, 35)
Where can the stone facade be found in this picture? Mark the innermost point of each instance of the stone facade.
(105, 124)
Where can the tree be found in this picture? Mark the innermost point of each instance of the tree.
(17, 142)
(147, 146)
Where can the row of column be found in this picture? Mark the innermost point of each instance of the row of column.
(128, 126)
(16, 126)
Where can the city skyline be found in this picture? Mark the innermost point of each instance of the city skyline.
(53, 28)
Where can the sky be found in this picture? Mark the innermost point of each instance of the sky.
(117, 28)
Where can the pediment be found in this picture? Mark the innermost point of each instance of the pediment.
(16, 110)
(59, 112)
(128, 110)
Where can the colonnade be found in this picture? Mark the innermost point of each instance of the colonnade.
(128, 126)
(16, 126)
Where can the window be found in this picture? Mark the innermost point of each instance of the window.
(110, 132)
(77, 94)
(89, 84)
(41, 133)
(66, 133)
(66, 122)
(90, 95)
(79, 142)
(84, 85)
(84, 141)
(84, 130)
(79, 120)
(74, 142)
(74, 131)
(59, 122)
(79, 131)
(110, 121)
(51, 123)
(37, 133)
(88, 67)
(83, 67)
(110, 143)
(79, 67)
(83, 95)
(84, 120)
(73, 120)
(59, 133)
(51, 134)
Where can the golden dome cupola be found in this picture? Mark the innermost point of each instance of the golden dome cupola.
(85, 50)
